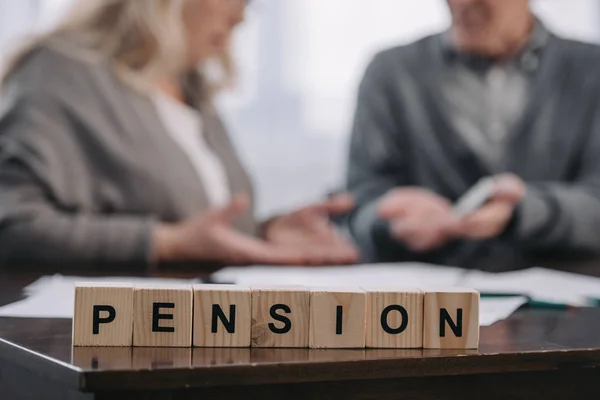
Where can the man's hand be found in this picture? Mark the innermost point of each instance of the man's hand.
(419, 218)
(492, 219)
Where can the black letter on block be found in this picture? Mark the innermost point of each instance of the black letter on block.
(287, 324)
(456, 328)
(156, 316)
(112, 313)
(218, 314)
(338, 320)
(384, 319)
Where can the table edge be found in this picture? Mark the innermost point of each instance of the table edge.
(51, 368)
(337, 371)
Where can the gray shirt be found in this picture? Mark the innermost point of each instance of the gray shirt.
(487, 97)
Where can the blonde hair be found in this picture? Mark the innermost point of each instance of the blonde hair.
(143, 39)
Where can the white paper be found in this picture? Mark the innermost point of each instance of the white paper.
(539, 284)
(492, 310)
(401, 274)
(53, 296)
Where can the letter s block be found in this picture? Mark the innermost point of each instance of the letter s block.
(451, 319)
(280, 317)
(222, 316)
(103, 315)
(394, 318)
(163, 316)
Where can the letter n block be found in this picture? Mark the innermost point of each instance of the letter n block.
(103, 315)
(280, 317)
(451, 319)
(337, 318)
(163, 316)
(222, 316)
(394, 318)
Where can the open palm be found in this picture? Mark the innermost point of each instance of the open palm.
(310, 230)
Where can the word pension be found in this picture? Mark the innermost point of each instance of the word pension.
(295, 317)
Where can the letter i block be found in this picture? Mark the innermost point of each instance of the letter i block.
(222, 316)
(103, 315)
(394, 318)
(163, 316)
(451, 319)
(280, 317)
(337, 318)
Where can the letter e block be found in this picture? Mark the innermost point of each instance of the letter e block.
(163, 316)
(337, 318)
(103, 315)
(394, 318)
(280, 317)
(222, 316)
(451, 319)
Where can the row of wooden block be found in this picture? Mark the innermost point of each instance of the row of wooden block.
(294, 317)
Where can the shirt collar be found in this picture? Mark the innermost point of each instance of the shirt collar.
(536, 43)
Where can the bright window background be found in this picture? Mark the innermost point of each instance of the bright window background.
(300, 62)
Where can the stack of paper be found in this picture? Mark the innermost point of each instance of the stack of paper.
(539, 284)
(53, 296)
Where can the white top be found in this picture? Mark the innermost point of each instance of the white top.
(184, 125)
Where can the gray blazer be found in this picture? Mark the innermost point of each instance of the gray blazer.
(87, 168)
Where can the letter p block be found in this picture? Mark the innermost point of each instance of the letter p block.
(103, 315)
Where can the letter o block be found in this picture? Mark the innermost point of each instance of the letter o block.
(451, 319)
(280, 317)
(103, 315)
(163, 316)
(394, 318)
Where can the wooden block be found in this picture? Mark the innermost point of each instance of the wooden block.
(337, 318)
(103, 315)
(163, 316)
(451, 319)
(280, 316)
(394, 318)
(161, 357)
(222, 316)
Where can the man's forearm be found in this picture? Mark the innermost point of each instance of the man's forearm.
(557, 215)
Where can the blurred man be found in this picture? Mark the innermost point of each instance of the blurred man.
(496, 95)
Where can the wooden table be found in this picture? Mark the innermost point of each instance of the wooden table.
(536, 353)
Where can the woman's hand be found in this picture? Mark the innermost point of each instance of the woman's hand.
(211, 237)
(310, 231)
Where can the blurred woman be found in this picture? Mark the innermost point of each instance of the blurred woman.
(111, 150)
